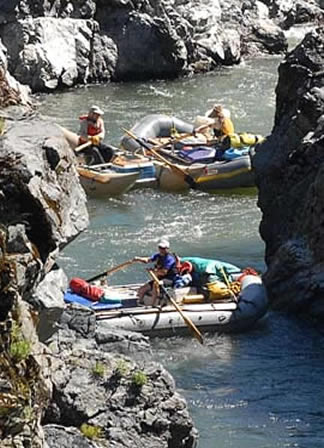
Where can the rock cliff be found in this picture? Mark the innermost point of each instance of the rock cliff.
(59, 44)
(290, 177)
(61, 380)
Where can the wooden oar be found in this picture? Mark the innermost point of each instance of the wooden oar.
(110, 271)
(83, 146)
(189, 179)
(172, 139)
(227, 282)
(187, 320)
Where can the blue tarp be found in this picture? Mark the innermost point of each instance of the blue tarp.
(71, 297)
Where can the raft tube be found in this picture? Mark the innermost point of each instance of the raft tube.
(154, 126)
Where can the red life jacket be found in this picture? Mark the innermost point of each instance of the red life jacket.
(93, 129)
(84, 289)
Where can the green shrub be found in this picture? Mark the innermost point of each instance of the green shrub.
(139, 378)
(122, 367)
(19, 348)
(98, 369)
(90, 431)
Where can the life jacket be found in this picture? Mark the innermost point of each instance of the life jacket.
(175, 269)
(84, 289)
(93, 129)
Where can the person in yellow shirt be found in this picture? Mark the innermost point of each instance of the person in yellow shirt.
(223, 125)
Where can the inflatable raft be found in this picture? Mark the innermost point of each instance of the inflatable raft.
(212, 173)
(107, 182)
(120, 309)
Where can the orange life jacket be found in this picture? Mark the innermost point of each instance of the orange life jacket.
(93, 129)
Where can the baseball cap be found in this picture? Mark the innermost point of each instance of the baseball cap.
(164, 244)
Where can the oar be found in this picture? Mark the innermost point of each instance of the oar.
(83, 146)
(227, 281)
(189, 179)
(187, 320)
(110, 271)
(172, 139)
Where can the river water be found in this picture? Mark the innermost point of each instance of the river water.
(259, 389)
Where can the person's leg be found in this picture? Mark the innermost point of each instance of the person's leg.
(107, 152)
(155, 295)
(142, 291)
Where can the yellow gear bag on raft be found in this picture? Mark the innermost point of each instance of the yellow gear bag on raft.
(218, 290)
(244, 139)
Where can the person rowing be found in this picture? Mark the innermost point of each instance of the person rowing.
(165, 269)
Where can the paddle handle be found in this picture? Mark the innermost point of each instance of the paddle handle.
(83, 146)
(110, 271)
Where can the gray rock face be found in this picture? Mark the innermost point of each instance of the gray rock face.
(48, 299)
(130, 404)
(48, 53)
(64, 437)
(147, 47)
(122, 39)
(11, 91)
(43, 206)
(290, 177)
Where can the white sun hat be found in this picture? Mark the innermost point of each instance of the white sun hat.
(96, 110)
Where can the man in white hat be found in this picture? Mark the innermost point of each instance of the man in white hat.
(92, 130)
(165, 269)
(92, 126)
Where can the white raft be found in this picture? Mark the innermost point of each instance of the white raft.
(227, 316)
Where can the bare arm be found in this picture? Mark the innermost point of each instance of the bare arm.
(142, 259)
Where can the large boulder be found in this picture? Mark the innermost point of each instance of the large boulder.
(128, 404)
(290, 176)
(43, 206)
(11, 91)
(147, 46)
(48, 53)
(288, 13)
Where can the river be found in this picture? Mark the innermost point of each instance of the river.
(260, 389)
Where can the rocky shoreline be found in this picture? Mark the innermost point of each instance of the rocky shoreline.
(61, 44)
(63, 382)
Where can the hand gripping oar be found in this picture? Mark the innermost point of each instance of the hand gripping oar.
(110, 271)
(187, 320)
(189, 179)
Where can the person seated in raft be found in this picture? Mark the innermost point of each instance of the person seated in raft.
(92, 129)
(223, 125)
(165, 269)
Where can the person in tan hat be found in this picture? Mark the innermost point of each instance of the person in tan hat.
(223, 125)
(92, 129)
